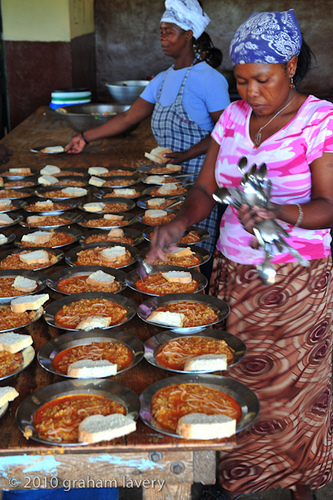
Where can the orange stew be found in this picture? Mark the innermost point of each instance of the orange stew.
(13, 193)
(101, 222)
(175, 353)
(59, 420)
(78, 284)
(173, 402)
(157, 192)
(119, 182)
(8, 290)
(9, 319)
(71, 315)
(48, 207)
(49, 220)
(172, 260)
(113, 352)
(94, 257)
(57, 239)
(13, 261)
(156, 284)
(158, 221)
(113, 208)
(196, 313)
(9, 363)
(97, 238)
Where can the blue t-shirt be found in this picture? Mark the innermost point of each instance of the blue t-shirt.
(206, 91)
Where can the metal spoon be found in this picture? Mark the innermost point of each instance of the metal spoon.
(266, 270)
(242, 163)
(223, 196)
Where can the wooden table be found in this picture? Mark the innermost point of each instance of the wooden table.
(164, 466)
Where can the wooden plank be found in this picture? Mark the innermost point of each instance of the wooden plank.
(127, 470)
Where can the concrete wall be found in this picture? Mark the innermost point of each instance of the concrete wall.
(128, 46)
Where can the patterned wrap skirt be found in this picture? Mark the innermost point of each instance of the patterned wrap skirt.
(287, 329)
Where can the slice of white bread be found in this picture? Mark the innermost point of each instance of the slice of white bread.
(36, 219)
(202, 426)
(50, 170)
(5, 220)
(14, 342)
(178, 276)
(156, 155)
(3, 239)
(154, 179)
(28, 302)
(7, 394)
(74, 191)
(211, 362)
(53, 149)
(37, 237)
(92, 322)
(97, 170)
(46, 203)
(167, 318)
(113, 217)
(181, 252)
(98, 428)
(155, 213)
(22, 171)
(47, 180)
(25, 284)
(94, 206)
(100, 278)
(5, 203)
(96, 181)
(113, 252)
(166, 188)
(155, 202)
(89, 368)
(124, 192)
(116, 232)
(35, 257)
(173, 168)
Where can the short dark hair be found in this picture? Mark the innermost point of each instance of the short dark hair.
(304, 62)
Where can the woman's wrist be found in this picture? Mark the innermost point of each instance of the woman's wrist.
(85, 140)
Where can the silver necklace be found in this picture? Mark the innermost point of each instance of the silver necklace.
(257, 137)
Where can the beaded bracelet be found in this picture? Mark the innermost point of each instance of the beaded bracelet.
(300, 216)
(85, 140)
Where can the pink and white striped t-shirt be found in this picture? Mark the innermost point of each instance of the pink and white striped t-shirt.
(288, 154)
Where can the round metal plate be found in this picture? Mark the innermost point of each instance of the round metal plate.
(51, 349)
(37, 315)
(71, 255)
(128, 217)
(129, 205)
(204, 235)
(58, 254)
(106, 388)
(28, 355)
(15, 205)
(136, 235)
(153, 344)
(244, 396)
(74, 218)
(199, 251)
(42, 192)
(220, 307)
(56, 278)
(75, 233)
(55, 306)
(133, 276)
(37, 276)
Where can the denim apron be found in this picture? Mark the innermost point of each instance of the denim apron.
(173, 128)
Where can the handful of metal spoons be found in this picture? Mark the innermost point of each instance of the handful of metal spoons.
(256, 191)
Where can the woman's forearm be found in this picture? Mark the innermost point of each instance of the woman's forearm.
(316, 214)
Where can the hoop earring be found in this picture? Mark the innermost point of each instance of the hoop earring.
(291, 84)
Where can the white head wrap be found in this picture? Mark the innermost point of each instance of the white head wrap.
(187, 14)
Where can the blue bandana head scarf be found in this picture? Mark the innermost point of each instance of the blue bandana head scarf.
(266, 37)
